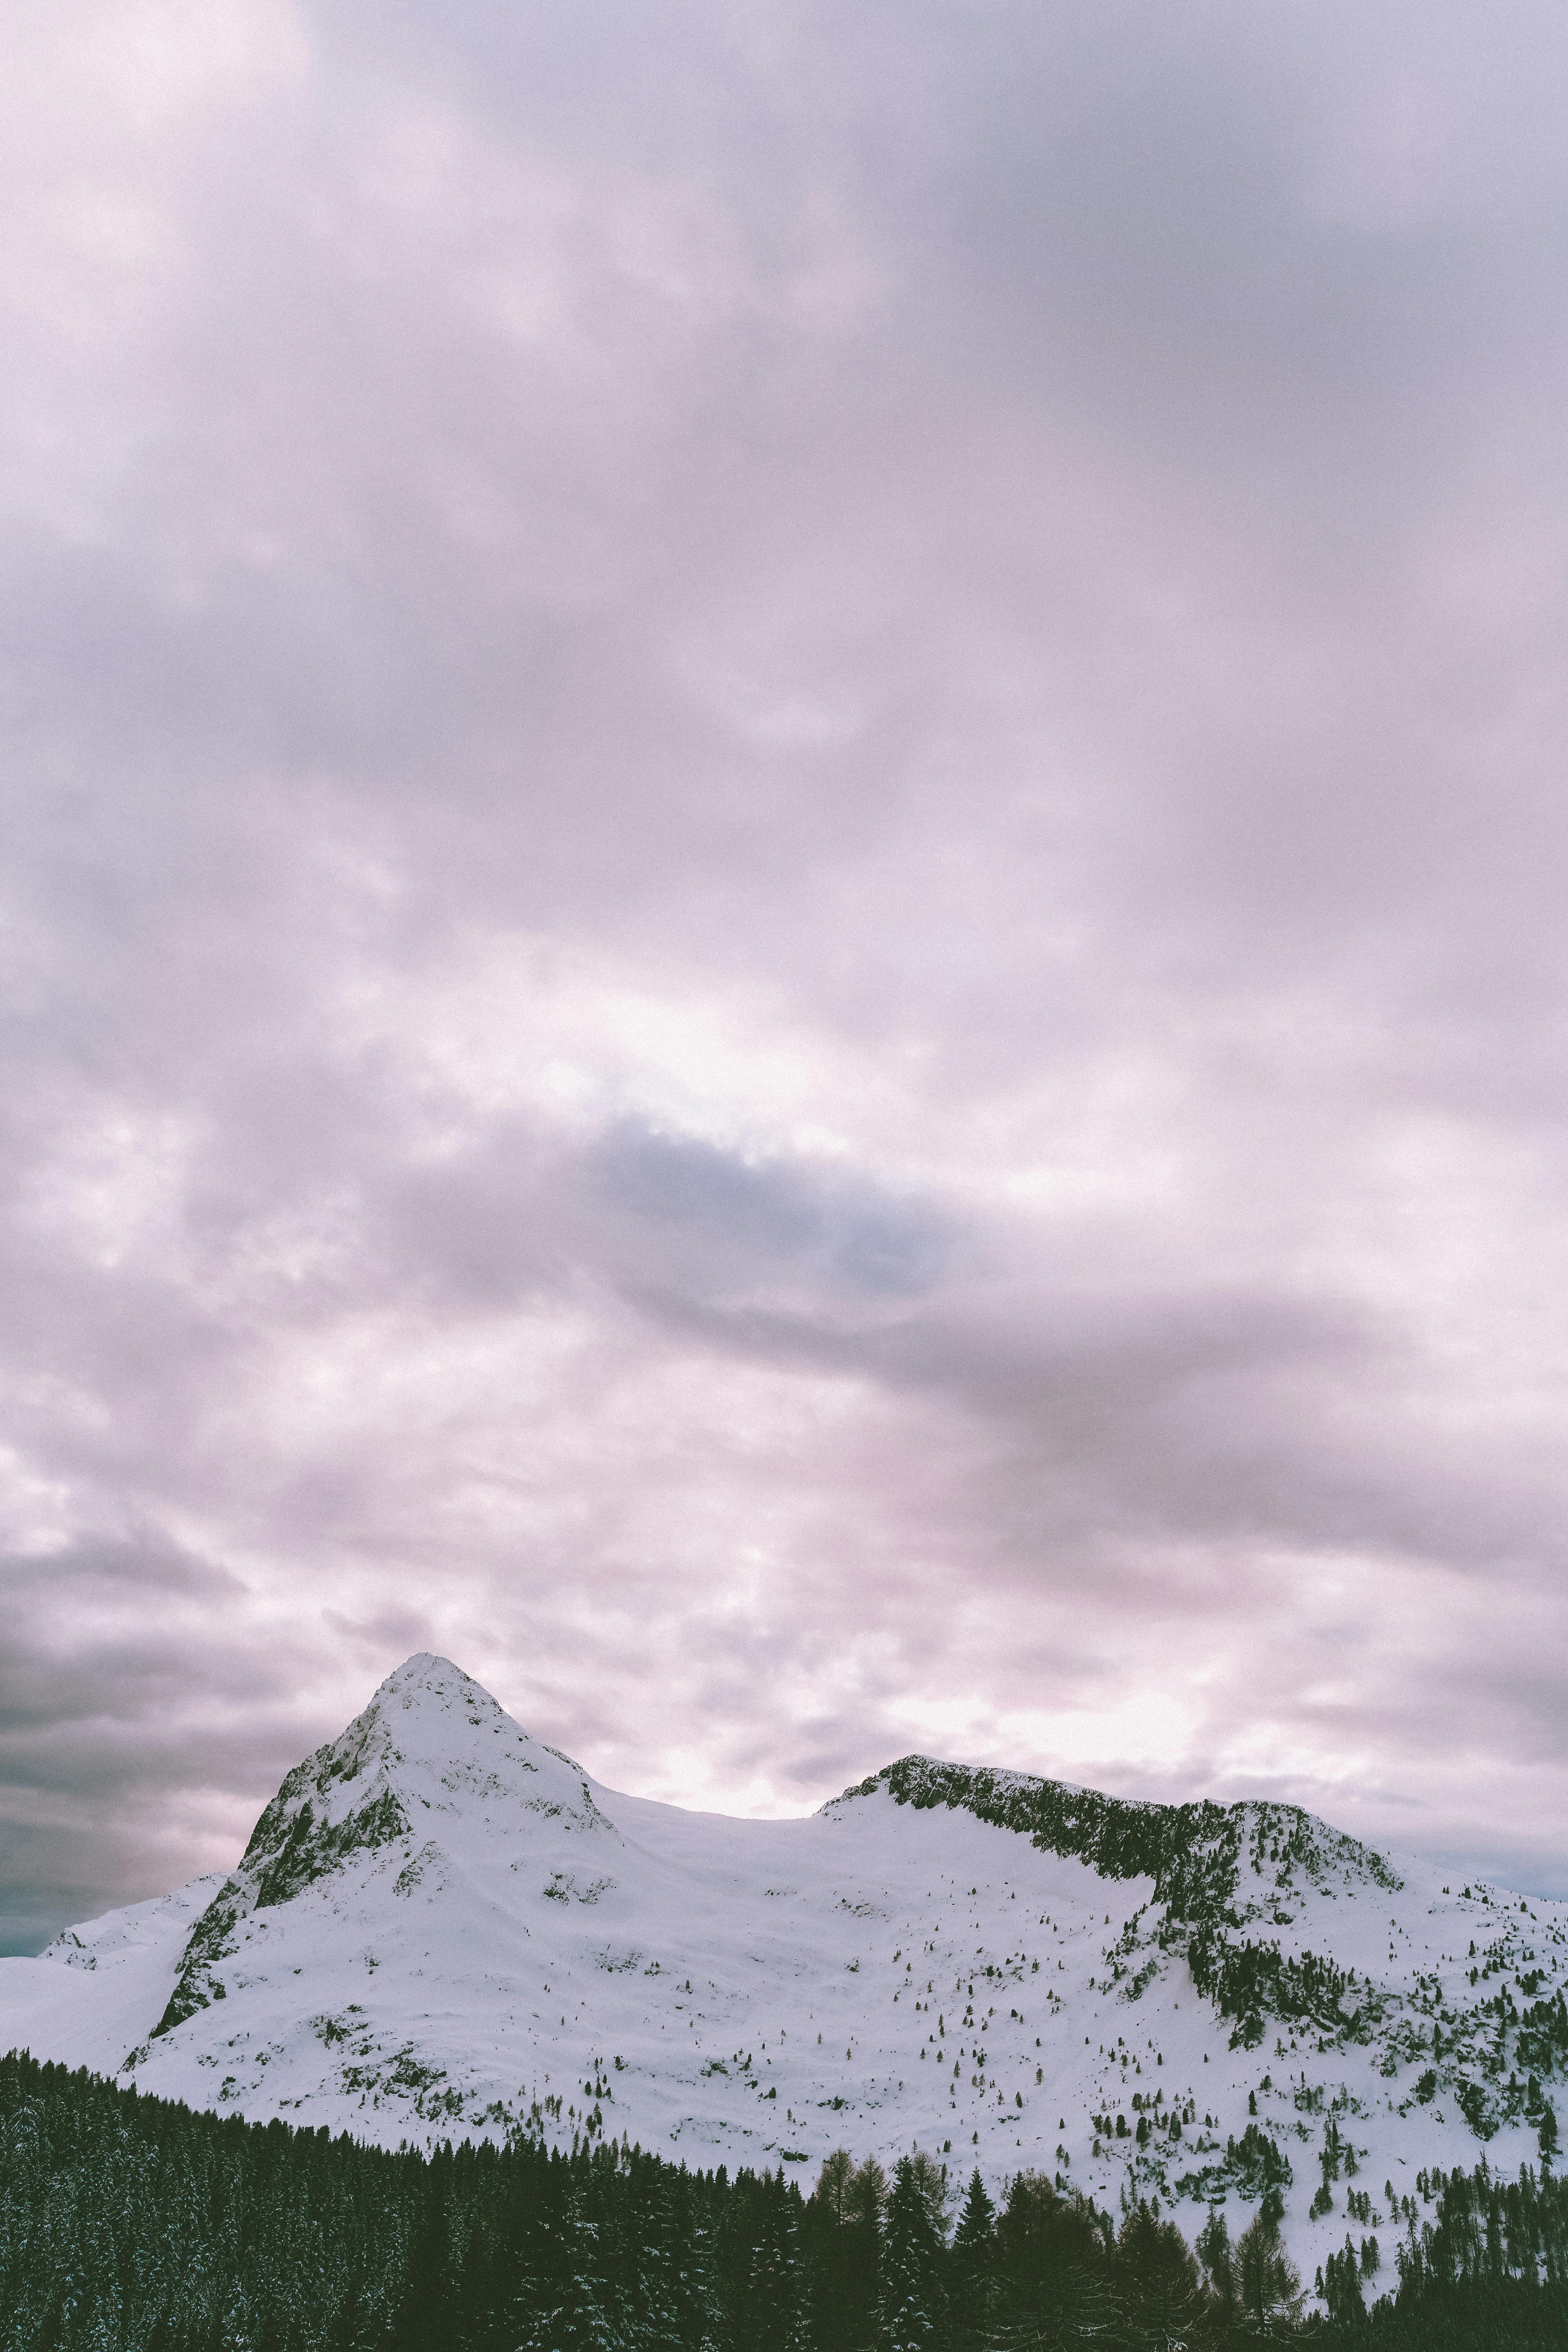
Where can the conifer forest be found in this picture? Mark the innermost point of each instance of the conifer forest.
(134, 2224)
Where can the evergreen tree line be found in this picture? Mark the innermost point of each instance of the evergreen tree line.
(130, 2224)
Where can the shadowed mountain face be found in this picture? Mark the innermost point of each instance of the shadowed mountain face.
(440, 1927)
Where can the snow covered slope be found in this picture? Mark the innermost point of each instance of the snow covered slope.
(441, 1926)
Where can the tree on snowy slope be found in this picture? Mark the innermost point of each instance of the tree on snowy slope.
(761, 2271)
(972, 2273)
(1162, 2303)
(1218, 2259)
(913, 2244)
(1052, 2269)
(844, 2235)
(427, 2301)
(1340, 2286)
(563, 2303)
(1271, 2287)
(686, 2229)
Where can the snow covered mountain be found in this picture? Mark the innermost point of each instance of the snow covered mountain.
(442, 1926)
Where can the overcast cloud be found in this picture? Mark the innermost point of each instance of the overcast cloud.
(781, 920)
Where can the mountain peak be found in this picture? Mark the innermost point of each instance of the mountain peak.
(428, 1731)
(426, 1676)
(430, 1763)
(419, 1714)
(421, 1666)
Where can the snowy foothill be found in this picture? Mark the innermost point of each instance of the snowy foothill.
(443, 1927)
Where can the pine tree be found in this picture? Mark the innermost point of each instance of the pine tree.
(1267, 2279)
(775, 2285)
(867, 2195)
(1342, 2288)
(562, 2304)
(909, 2292)
(424, 2308)
(693, 2283)
(972, 2271)
(843, 2247)
(1161, 2299)
(1052, 2255)
(1214, 2250)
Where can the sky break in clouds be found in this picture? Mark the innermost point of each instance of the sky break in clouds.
(780, 922)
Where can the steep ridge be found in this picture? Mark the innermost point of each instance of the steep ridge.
(1216, 1869)
(440, 1925)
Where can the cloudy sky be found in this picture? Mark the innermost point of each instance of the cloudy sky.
(782, 902)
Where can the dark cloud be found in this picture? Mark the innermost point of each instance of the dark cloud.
(728, 1217)
(779, 937)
